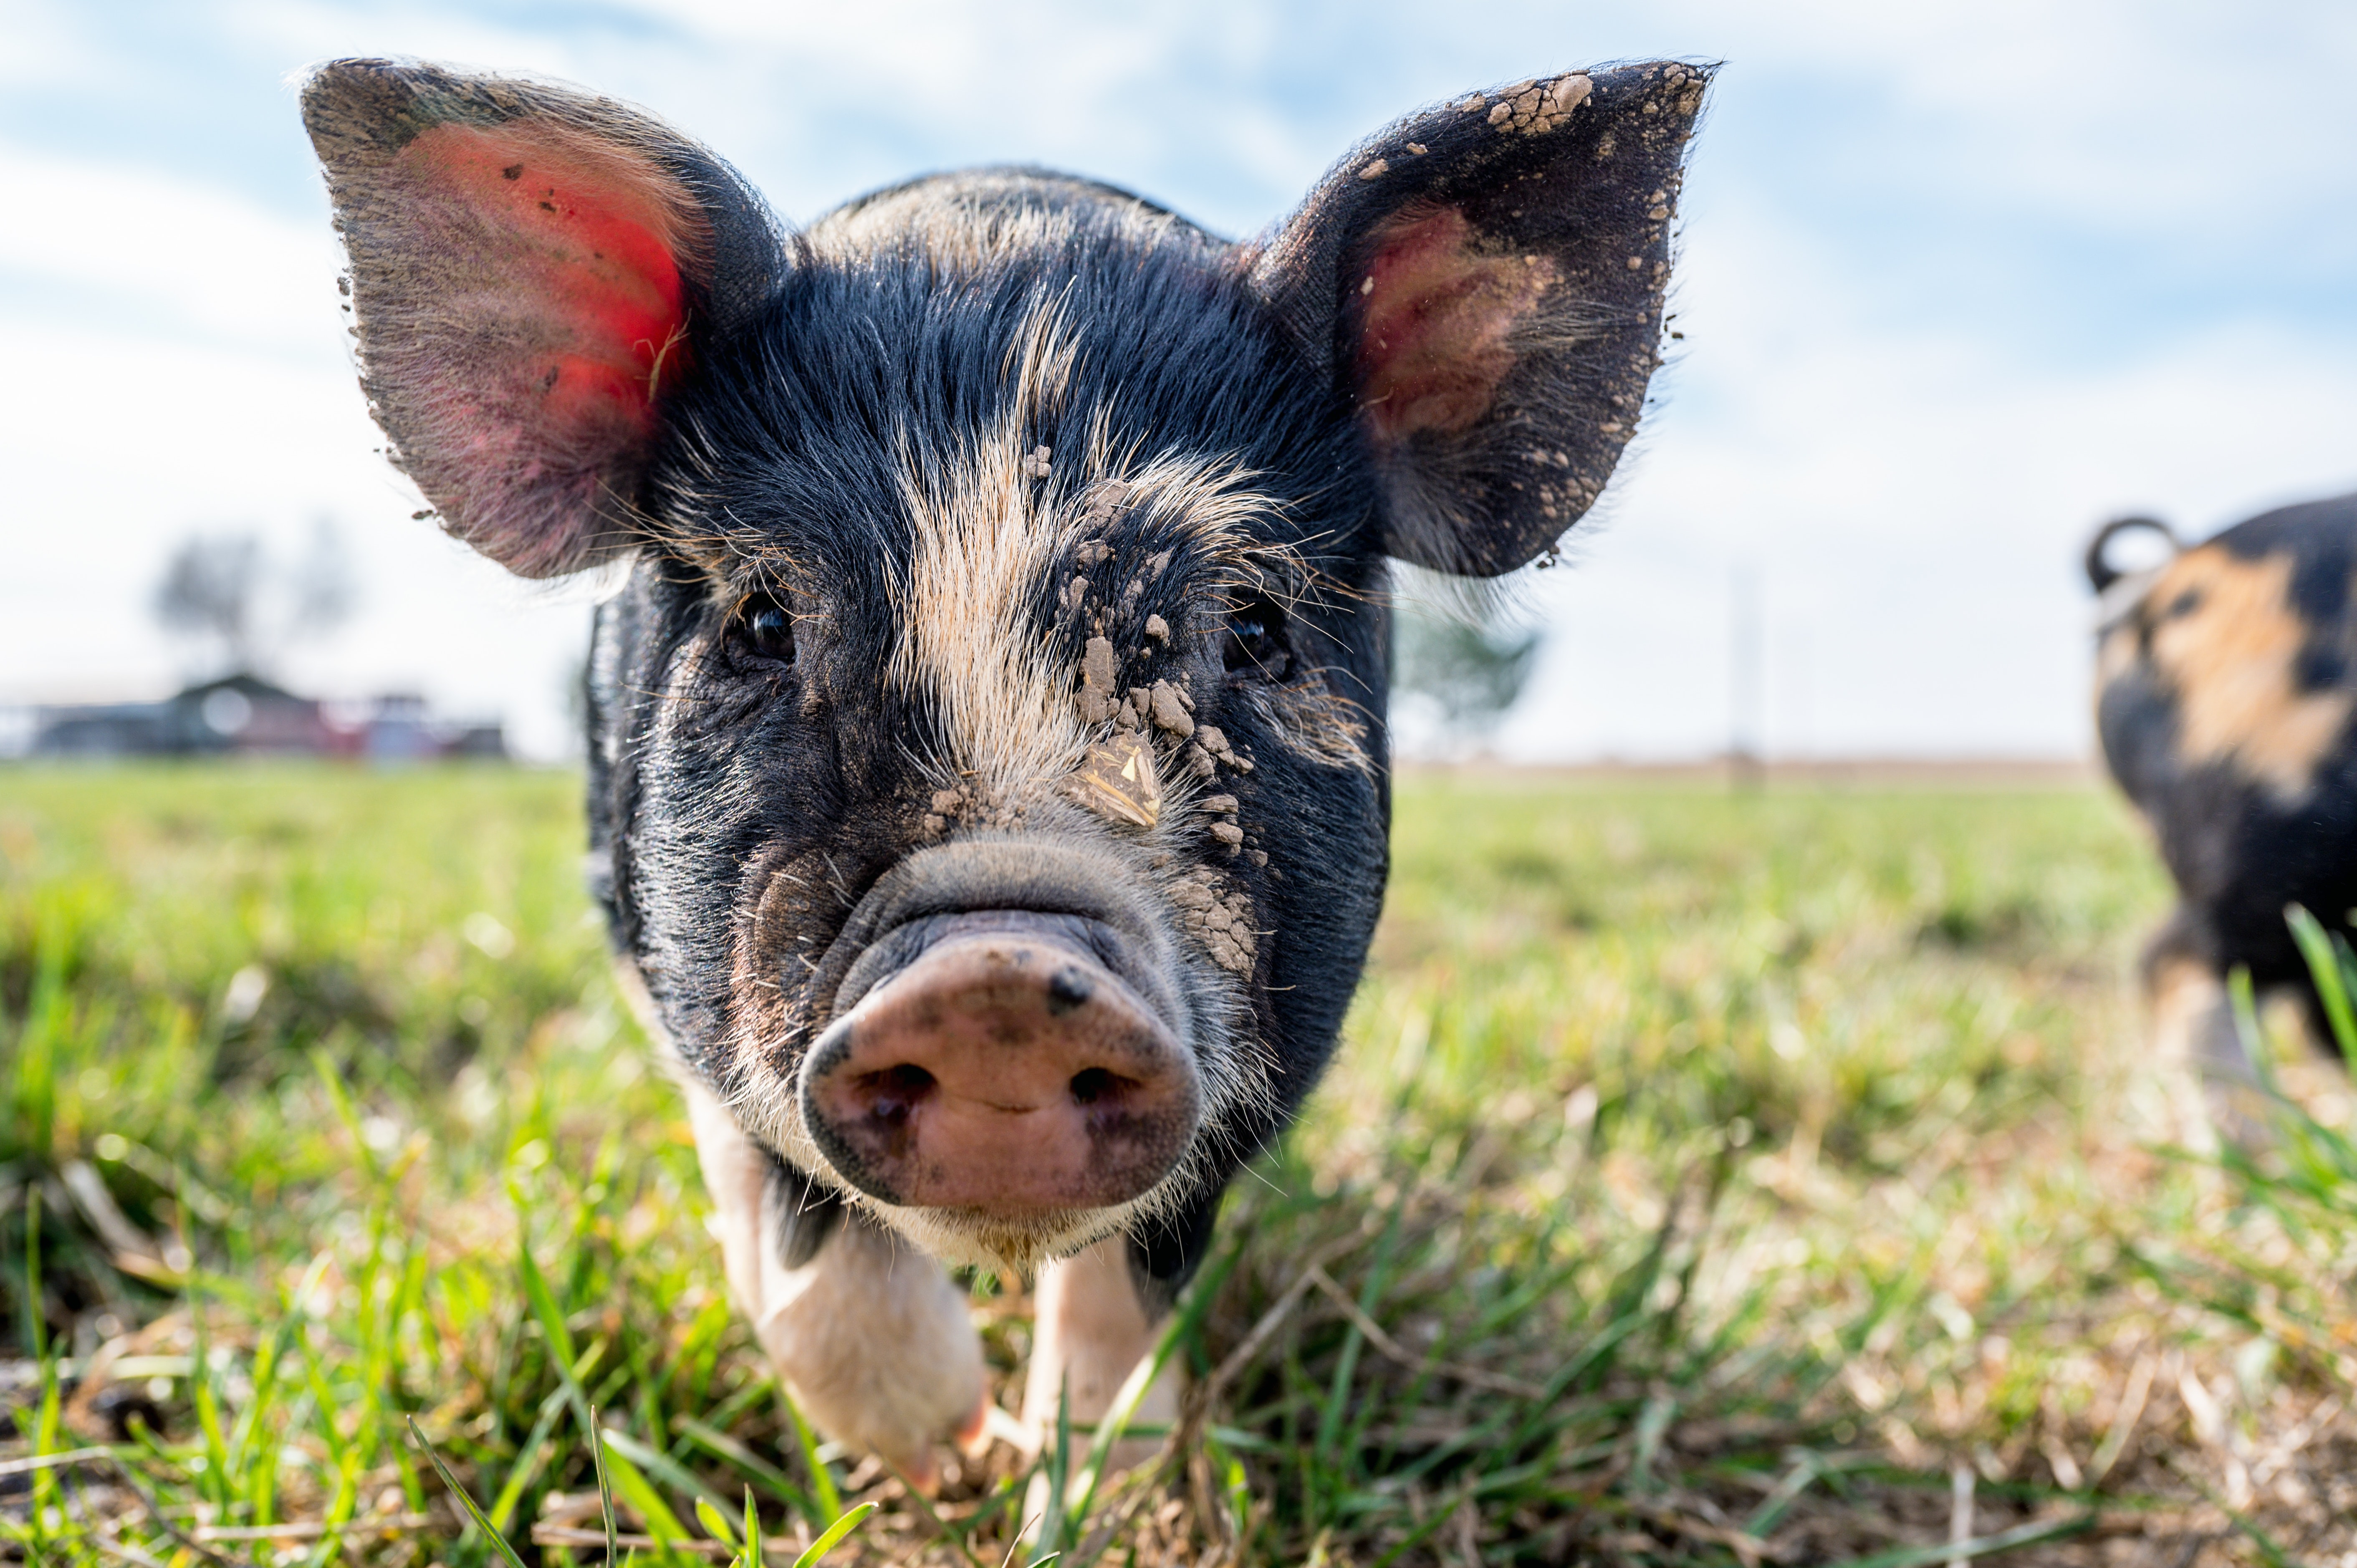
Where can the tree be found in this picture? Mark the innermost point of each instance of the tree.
(1471, 670)
(207, 593)
(243, 609)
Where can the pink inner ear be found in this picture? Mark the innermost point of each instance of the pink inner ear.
(575, 268)
(1436, 317)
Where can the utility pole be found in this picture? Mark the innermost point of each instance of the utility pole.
(1747, 765)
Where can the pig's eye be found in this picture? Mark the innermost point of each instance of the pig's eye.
(1254, 648)
(764, 630)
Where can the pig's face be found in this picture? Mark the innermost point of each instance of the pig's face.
(989, 767)
(996, 741)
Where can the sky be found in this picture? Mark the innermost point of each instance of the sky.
(1956, 282)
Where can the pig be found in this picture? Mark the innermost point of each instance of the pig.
(2224, 682)
(988, 781)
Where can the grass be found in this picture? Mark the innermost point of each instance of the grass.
(1707, 1179)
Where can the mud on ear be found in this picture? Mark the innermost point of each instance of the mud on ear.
(533, 271)
(1484, 282)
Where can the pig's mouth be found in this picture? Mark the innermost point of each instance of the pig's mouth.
(1008, 1042)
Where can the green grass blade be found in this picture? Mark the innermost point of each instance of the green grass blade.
(1787, 1491)
(823, 1488)
(1182, 1327)
(2242, 1002)
(640, 1494)
(346, 1113)
(1423, 1532)
(45, 1014)
(499, 1542)
(1338, 1396)
(1653, 1425)
(2031, 1534)
(2324, 965)
(1053, 1518)
(852, 1519)
(660, 1466)
(605, 1487)
(205, 1399)
(775, 1482)
(716, 1524)
(551, 1319)
(531, 1456)
(37, 1328)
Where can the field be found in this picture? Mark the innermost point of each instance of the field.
(1707, 1179)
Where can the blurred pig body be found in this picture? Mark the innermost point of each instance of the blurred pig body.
(988, 781)
(2225, 678)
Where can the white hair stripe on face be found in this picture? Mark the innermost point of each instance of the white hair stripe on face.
(994, 523)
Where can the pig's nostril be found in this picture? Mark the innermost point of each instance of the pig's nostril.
(1092, 1084)
(897, 1090)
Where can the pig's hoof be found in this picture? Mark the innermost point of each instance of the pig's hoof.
(921, 1470)
(996, 1426)
(972, 1437)
(978, 1430)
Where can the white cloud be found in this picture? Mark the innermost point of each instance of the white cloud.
(207, 260)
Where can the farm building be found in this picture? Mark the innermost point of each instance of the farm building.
(243, 714)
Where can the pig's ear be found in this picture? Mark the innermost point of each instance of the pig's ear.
(534, 272)
(1484, 282)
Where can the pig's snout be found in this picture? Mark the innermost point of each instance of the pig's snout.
(1005, 1072)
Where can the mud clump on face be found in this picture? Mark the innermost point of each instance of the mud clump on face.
(1107, 500)
(1099, 680)
(1169, 707)
(1219, 917)
(1211, 746)
(947, 806)
(1119, 782)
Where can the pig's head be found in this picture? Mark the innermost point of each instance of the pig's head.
(990, 770)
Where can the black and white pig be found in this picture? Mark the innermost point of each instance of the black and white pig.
(2225, 678)
(988, 777)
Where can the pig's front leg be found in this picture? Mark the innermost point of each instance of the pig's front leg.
(1091, 1329)
(869, 1334)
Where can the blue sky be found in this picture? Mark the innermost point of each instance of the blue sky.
(1957, 282)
